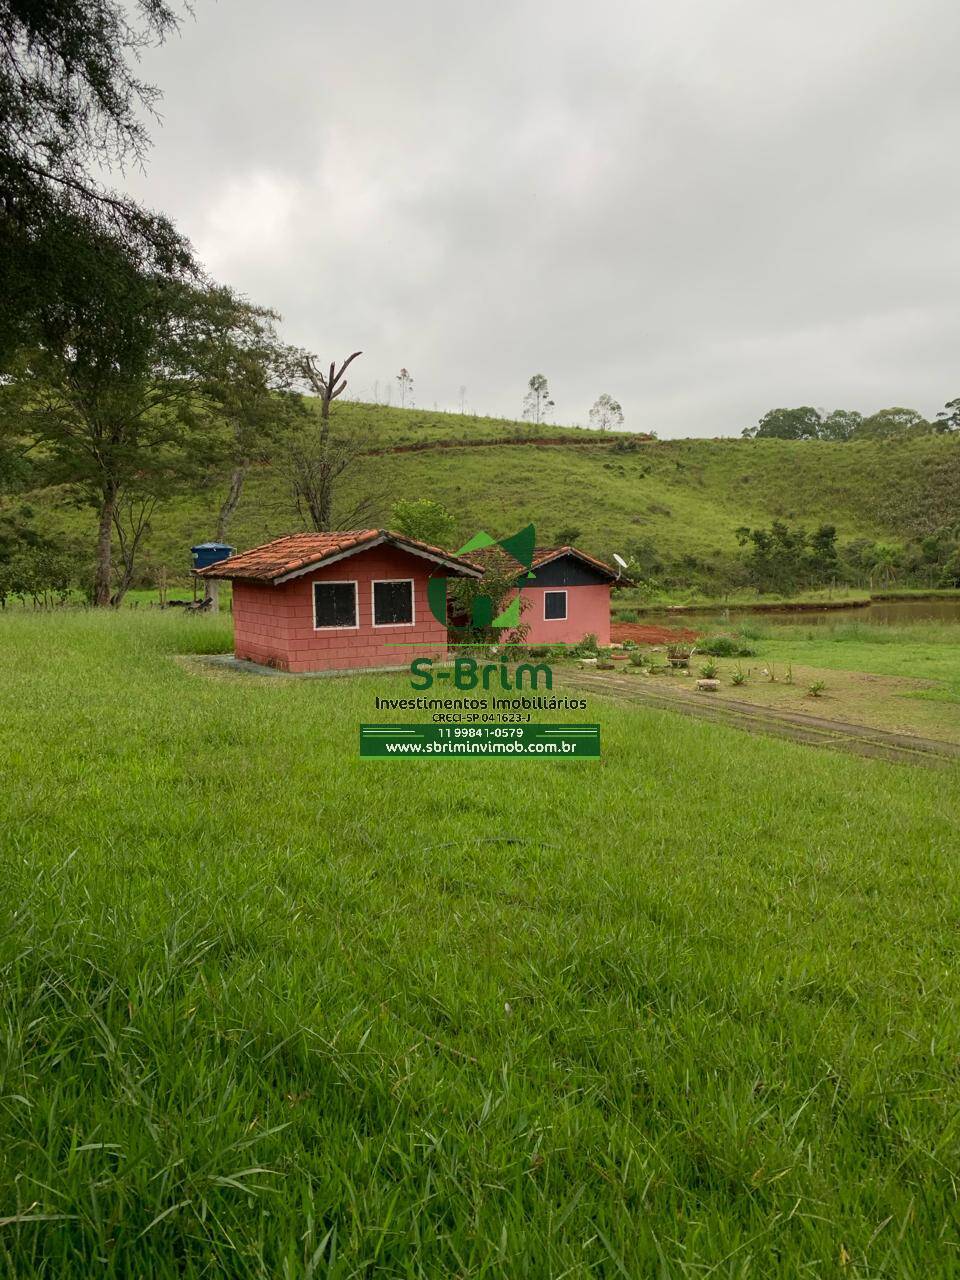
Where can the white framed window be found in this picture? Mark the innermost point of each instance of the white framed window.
(393, 602)
(335, 606)
(554, 606)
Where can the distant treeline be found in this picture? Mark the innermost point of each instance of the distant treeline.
(807, 423)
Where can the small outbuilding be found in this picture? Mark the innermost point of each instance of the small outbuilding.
(338, 601)
(568, 597)
(565, 595)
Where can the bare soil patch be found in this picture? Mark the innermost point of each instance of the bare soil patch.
(649, 633)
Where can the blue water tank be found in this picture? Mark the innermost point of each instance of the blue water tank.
(207, 553)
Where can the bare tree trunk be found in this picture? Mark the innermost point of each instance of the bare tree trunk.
(232, 500)
(324, 513)
(211, 589)
(108, 511)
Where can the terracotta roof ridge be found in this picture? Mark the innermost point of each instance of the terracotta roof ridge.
(295, 553)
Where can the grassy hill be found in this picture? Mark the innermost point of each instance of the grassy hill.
(687, 496)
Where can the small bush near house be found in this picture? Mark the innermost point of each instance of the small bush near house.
(585, 648)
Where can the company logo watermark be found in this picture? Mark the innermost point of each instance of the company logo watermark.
(520, 546)
(468, 674)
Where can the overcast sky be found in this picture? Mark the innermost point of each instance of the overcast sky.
(706, 208)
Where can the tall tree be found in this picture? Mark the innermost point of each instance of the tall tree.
(822, 553)
(111, 393)
(315, 466)
(326, 385)
(606, 413)
(841, 424)
(948, 419)
(405, 383)
(889, 423)
(247, 380)
(537, 403)
(786, 424)
(70, 102)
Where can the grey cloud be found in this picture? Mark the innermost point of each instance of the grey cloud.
(704, 207)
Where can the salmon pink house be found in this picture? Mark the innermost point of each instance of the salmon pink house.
(568, 597)
(565, 596)
(350, 601)
(338, 601)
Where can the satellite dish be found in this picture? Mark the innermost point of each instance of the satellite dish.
(620, 561)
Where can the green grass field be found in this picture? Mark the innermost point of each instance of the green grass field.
(271, 1011)
(928, 651)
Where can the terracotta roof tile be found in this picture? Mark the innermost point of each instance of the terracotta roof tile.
(299, 552)
(486, 557)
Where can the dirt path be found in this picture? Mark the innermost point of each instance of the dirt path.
(499, 442)
(835, 735)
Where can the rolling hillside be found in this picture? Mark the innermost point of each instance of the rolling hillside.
(687, 496)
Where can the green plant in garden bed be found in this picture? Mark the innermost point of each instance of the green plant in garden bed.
(587, 647)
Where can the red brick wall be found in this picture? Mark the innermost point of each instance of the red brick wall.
(274, 625)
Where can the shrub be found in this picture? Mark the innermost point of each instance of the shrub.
(628, 615)
(710, 671)
(817, 688)
(719, 646)
(739, 676)
(585, 648)
(726, 647)
(424, 519)
(41, 574)
(568, 536)
(637, 659)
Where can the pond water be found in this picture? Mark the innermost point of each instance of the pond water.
(881, 613)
